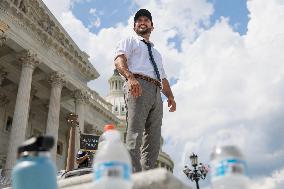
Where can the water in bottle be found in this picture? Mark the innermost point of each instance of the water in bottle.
(102, 138)
(112, 163)
(228, 168)
(34, 169)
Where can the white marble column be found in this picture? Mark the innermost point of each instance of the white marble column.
(3, 102)
(57, 82)
(20, 117)
(81, 99)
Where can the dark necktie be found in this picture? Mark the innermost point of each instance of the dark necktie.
(152, 60)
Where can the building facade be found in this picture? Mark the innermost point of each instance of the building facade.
(116, 98)
(43, 77)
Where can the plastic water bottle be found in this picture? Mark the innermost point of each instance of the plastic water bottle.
(102, 138)
(228, 168)
(34, 169)
(112, 164)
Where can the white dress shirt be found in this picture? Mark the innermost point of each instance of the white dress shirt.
(138, 59)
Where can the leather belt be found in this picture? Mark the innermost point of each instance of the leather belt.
(149, 79)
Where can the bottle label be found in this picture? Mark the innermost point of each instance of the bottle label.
(114, 169)
(229, 167)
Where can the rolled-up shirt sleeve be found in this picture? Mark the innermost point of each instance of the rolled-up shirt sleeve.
(163, 73)
(123, 47)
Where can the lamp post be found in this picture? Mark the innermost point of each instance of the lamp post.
(199, 171)
(72, 122)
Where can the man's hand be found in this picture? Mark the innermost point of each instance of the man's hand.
(86, 156)
(172, 104)
(122, 67)
(134, 87)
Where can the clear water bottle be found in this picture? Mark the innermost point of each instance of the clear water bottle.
(228, 168)
(102, 138)
(34, 169)
(112, 163)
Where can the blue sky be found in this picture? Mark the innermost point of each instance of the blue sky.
(235, 10)
(112, 12)
(99, 14)
(108, 12)
(224, 60)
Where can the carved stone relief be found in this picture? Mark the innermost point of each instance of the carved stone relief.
(28, 58)
(82, 95)
(57, 79)
(3, 28)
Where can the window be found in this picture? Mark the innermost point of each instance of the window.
(8, 125)
(122, 108)
(116, 108)
(60, 148)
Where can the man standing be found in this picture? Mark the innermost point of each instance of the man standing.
(141, 64)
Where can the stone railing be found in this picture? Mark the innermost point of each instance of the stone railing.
(100, 100)
(153, 179)
(5, 181)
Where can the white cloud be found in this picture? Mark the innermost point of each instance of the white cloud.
(97, 22)
(58, 7)
(233, 82)
(226, 82)
(274, 181)
(93, 11)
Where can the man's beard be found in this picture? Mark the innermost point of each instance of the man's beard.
(143, 32)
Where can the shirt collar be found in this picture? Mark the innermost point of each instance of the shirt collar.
(141, 38)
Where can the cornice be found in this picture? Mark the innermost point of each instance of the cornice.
(33, 16)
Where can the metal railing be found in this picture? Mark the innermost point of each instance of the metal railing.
(5, 181)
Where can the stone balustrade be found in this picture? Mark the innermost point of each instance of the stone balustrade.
(153, 179)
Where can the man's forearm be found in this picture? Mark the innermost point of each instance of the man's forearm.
(81, 159)
(121, 66)
(167, 89)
